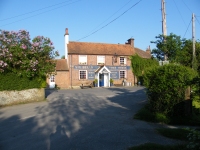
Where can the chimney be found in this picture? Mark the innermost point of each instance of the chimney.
(130, 42)
(148, 50)
(66, 42)
(66, 31)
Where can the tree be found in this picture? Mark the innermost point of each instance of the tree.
(177, 50)
(167, 45)
(24, 57)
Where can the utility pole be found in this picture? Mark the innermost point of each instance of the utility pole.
(193, 42)
(164, 26)
(164, 23)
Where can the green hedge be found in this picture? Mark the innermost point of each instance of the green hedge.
(10, 81)
(166, 86)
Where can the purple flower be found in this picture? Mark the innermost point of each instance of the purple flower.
(23, 46)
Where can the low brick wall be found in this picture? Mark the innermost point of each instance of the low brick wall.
(12, 97)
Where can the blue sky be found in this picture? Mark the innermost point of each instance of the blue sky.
(142, 22)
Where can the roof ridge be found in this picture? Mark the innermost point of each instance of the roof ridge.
(101, 43)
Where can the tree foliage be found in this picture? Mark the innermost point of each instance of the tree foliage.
(177, 50)
(167, 45)
(166, 86)
(24, 57)
(25, 63)
(139, 65)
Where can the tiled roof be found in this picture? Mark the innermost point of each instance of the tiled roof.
(99, 49)
(142, 53)
(61, 65)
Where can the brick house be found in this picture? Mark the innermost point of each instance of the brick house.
(84, 62)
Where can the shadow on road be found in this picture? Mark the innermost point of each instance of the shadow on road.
(82, 121)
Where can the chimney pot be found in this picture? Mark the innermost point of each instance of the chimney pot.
(148, 50)
(66, 31)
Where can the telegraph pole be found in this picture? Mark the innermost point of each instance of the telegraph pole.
(193, 42)
(164, 23)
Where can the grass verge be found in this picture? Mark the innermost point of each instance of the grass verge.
(152, 146)
(179, 133)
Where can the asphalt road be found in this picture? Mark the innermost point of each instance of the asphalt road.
(81, 119)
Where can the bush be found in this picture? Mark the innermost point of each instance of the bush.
(194, 139)
(166, 86)
(11, 81)
(147, 115)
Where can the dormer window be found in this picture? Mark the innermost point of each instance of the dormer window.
(100, 60)
(122, 61)
(82, 59)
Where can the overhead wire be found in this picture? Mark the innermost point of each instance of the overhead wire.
(111, 16)
(187, 6)
(110, 21)
(187, 28)
(179, 13)
(197, 20)
(38, 14)
(33, 11)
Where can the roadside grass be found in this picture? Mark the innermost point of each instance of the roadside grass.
(177, 133)
(152, 146)
(146, 115)
(193, 120)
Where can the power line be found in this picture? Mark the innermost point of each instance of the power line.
(197, 20)
(180, 13)
(38, 14)
(187, 6)
(33, 11)
(187, 28)
(111, 16)
(110, 21)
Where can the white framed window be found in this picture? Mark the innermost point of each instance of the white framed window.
(122, 74)
(82, 74)
(82, 59)
(122, 60)
(52, 78)
(100, 60)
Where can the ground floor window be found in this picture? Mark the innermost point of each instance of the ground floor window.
(122, 74)
(82, 74)
(52, 78)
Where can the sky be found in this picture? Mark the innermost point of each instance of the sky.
(100, 21)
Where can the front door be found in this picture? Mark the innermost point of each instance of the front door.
(101, 80)
(52, 82)
(106, 82)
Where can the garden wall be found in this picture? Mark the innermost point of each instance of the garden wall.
(12, 97)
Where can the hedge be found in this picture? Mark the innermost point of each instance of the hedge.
(11, 81)
(166, 86)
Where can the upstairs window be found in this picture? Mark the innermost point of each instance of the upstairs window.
(122, 60)
(122, 74)
(82, 59)
(82, 74)
(100, 60)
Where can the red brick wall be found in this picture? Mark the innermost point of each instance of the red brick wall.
(92, 60)
(62, 79)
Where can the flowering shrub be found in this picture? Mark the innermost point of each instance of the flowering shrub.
(24, 57)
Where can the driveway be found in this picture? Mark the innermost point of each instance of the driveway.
(81, 119)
